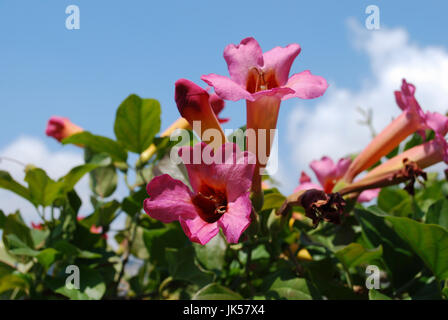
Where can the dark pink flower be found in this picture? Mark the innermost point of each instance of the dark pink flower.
(195, 104)
(220, 195)
(61, 128)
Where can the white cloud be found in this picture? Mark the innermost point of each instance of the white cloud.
(30, 150)
(331, 127)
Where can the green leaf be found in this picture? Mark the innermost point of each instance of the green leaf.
(414, 141)
(13, 281)
(324, 275)
(5, 269)
(75, 174)
(273, 201)
(98, 144)
(376, 295)
(47, 257)
(158, 240)
(214, 291)
(136, 123)
(92, 286)
(103, 181)
(2, 219)
(14, 226)
(182, 266)
(355, 254)
(133, 203)
(429, 242)
(18, 247)
(43, 190)
(438, 213)
(395, 201)
(176, 171)
(402, 265)
(212, 255)
(8, 183)
(293, 289)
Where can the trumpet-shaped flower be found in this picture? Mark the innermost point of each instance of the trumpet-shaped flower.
(217, 105)
(411, 120)
(328, 174)
(262, 79)
(194, 104)
(254, 74)
(406, 166)
(220, 195)
(61, 128)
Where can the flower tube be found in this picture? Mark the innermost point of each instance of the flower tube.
(262, 79)
(194, 105)
(61, 128)
(217, 105)
(411, 120)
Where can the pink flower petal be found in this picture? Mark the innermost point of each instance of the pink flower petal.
(237, 218)
(304, 178)
(402, 97)
(197, 230)
(226, 88)
(280, 59)
(306, 86)
(168, 199)
(368, 195)
(342, 167)
(407, 102)
(327, 172)
(324, 169)
(236, 169)
(228, 169)
(307, 186)
(242, 58)
(437, 122)
(277, 92)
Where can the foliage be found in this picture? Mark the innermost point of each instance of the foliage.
(278, 257)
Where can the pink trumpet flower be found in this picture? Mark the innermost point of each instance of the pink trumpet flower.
(217, 105)
(411, 120)
(424, 155)
(262, 79)
(406, 166)
(328, 174)
(220, 195)
(196, 105)
(61, 128)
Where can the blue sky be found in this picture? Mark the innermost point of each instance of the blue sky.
(143, 47)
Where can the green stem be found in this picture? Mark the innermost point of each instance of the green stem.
(348, 278)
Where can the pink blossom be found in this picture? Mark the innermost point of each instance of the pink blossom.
(328, 174)
(195, 104)
(254, 74)
(262, 79)
(219, 197)
(411, 120)
(61, 128)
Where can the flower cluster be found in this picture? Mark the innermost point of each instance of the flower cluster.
(226, 188)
